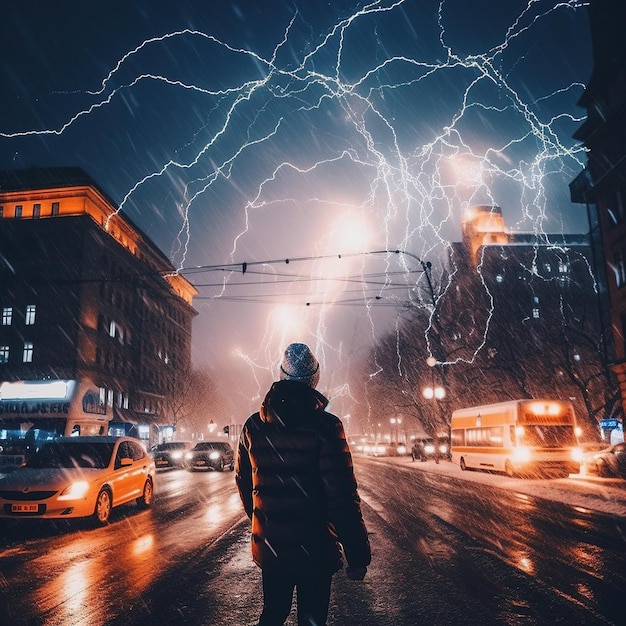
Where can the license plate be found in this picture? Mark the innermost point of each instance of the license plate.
(24, 508)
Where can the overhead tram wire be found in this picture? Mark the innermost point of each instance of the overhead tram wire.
(245, 265)
(364, 300)
(295, 278)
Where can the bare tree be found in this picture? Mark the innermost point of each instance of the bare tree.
(522, 324)
(192, 400)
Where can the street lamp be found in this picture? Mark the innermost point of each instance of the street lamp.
(433, 392)
(395, 423)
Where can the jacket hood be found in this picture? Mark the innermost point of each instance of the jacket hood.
(289, 402)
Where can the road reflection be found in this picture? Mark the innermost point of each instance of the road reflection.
(74, 587)
(83, 575)
(568, 550)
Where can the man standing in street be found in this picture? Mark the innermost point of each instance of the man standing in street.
(296, 481)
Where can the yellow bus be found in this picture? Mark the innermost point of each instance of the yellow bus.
(518, 437)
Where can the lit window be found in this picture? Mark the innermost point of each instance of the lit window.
(18, 211)
(536, 299)
(563, 267)
(536, 313)
(28, 352)
(112, 327)
(548, 268)
(499, 278)
(55, 208)
(36, 210)
(30, 314)
(1, 211)
(7, 315)
(4, 354)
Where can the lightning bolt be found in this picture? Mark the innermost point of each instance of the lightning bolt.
(412, 181)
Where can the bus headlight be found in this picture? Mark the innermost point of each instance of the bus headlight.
(522, 454)
(577, 455)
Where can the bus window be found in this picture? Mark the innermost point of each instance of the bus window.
(548, 436)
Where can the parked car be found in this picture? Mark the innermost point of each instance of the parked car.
(372, 448)
(79, 477)
(171, 453)
(394, 448)
(423, 449)
(217, 455)
(607, 463)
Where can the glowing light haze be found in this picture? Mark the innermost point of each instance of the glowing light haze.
(251, 131)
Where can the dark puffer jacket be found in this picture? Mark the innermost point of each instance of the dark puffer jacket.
(295, 478)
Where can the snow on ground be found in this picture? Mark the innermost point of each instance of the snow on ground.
(607, 495)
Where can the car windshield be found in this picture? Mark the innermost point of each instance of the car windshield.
(72, 454)
(210, 446)
(173, 445)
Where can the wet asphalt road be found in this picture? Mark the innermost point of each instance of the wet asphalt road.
(447, 549)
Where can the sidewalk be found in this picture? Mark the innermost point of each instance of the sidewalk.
(607, 495)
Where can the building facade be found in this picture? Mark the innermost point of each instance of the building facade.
(602, 185)
(96, 323)
(522, 316)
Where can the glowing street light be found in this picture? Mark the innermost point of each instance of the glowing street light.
(395, 423)
(437, 393)
(434, 393)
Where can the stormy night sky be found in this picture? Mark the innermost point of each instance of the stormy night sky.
(255, 132)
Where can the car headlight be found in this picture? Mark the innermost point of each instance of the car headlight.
(177, 455)
(214, 456)
(443, 448)
(188, 455)
(75, 491)
(429, 448)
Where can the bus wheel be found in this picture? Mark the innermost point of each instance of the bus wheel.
(508, 469)
(104, 504)
(462, 464)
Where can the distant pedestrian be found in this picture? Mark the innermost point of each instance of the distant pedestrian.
(296, 481)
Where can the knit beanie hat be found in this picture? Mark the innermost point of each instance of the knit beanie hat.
(300, 364)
